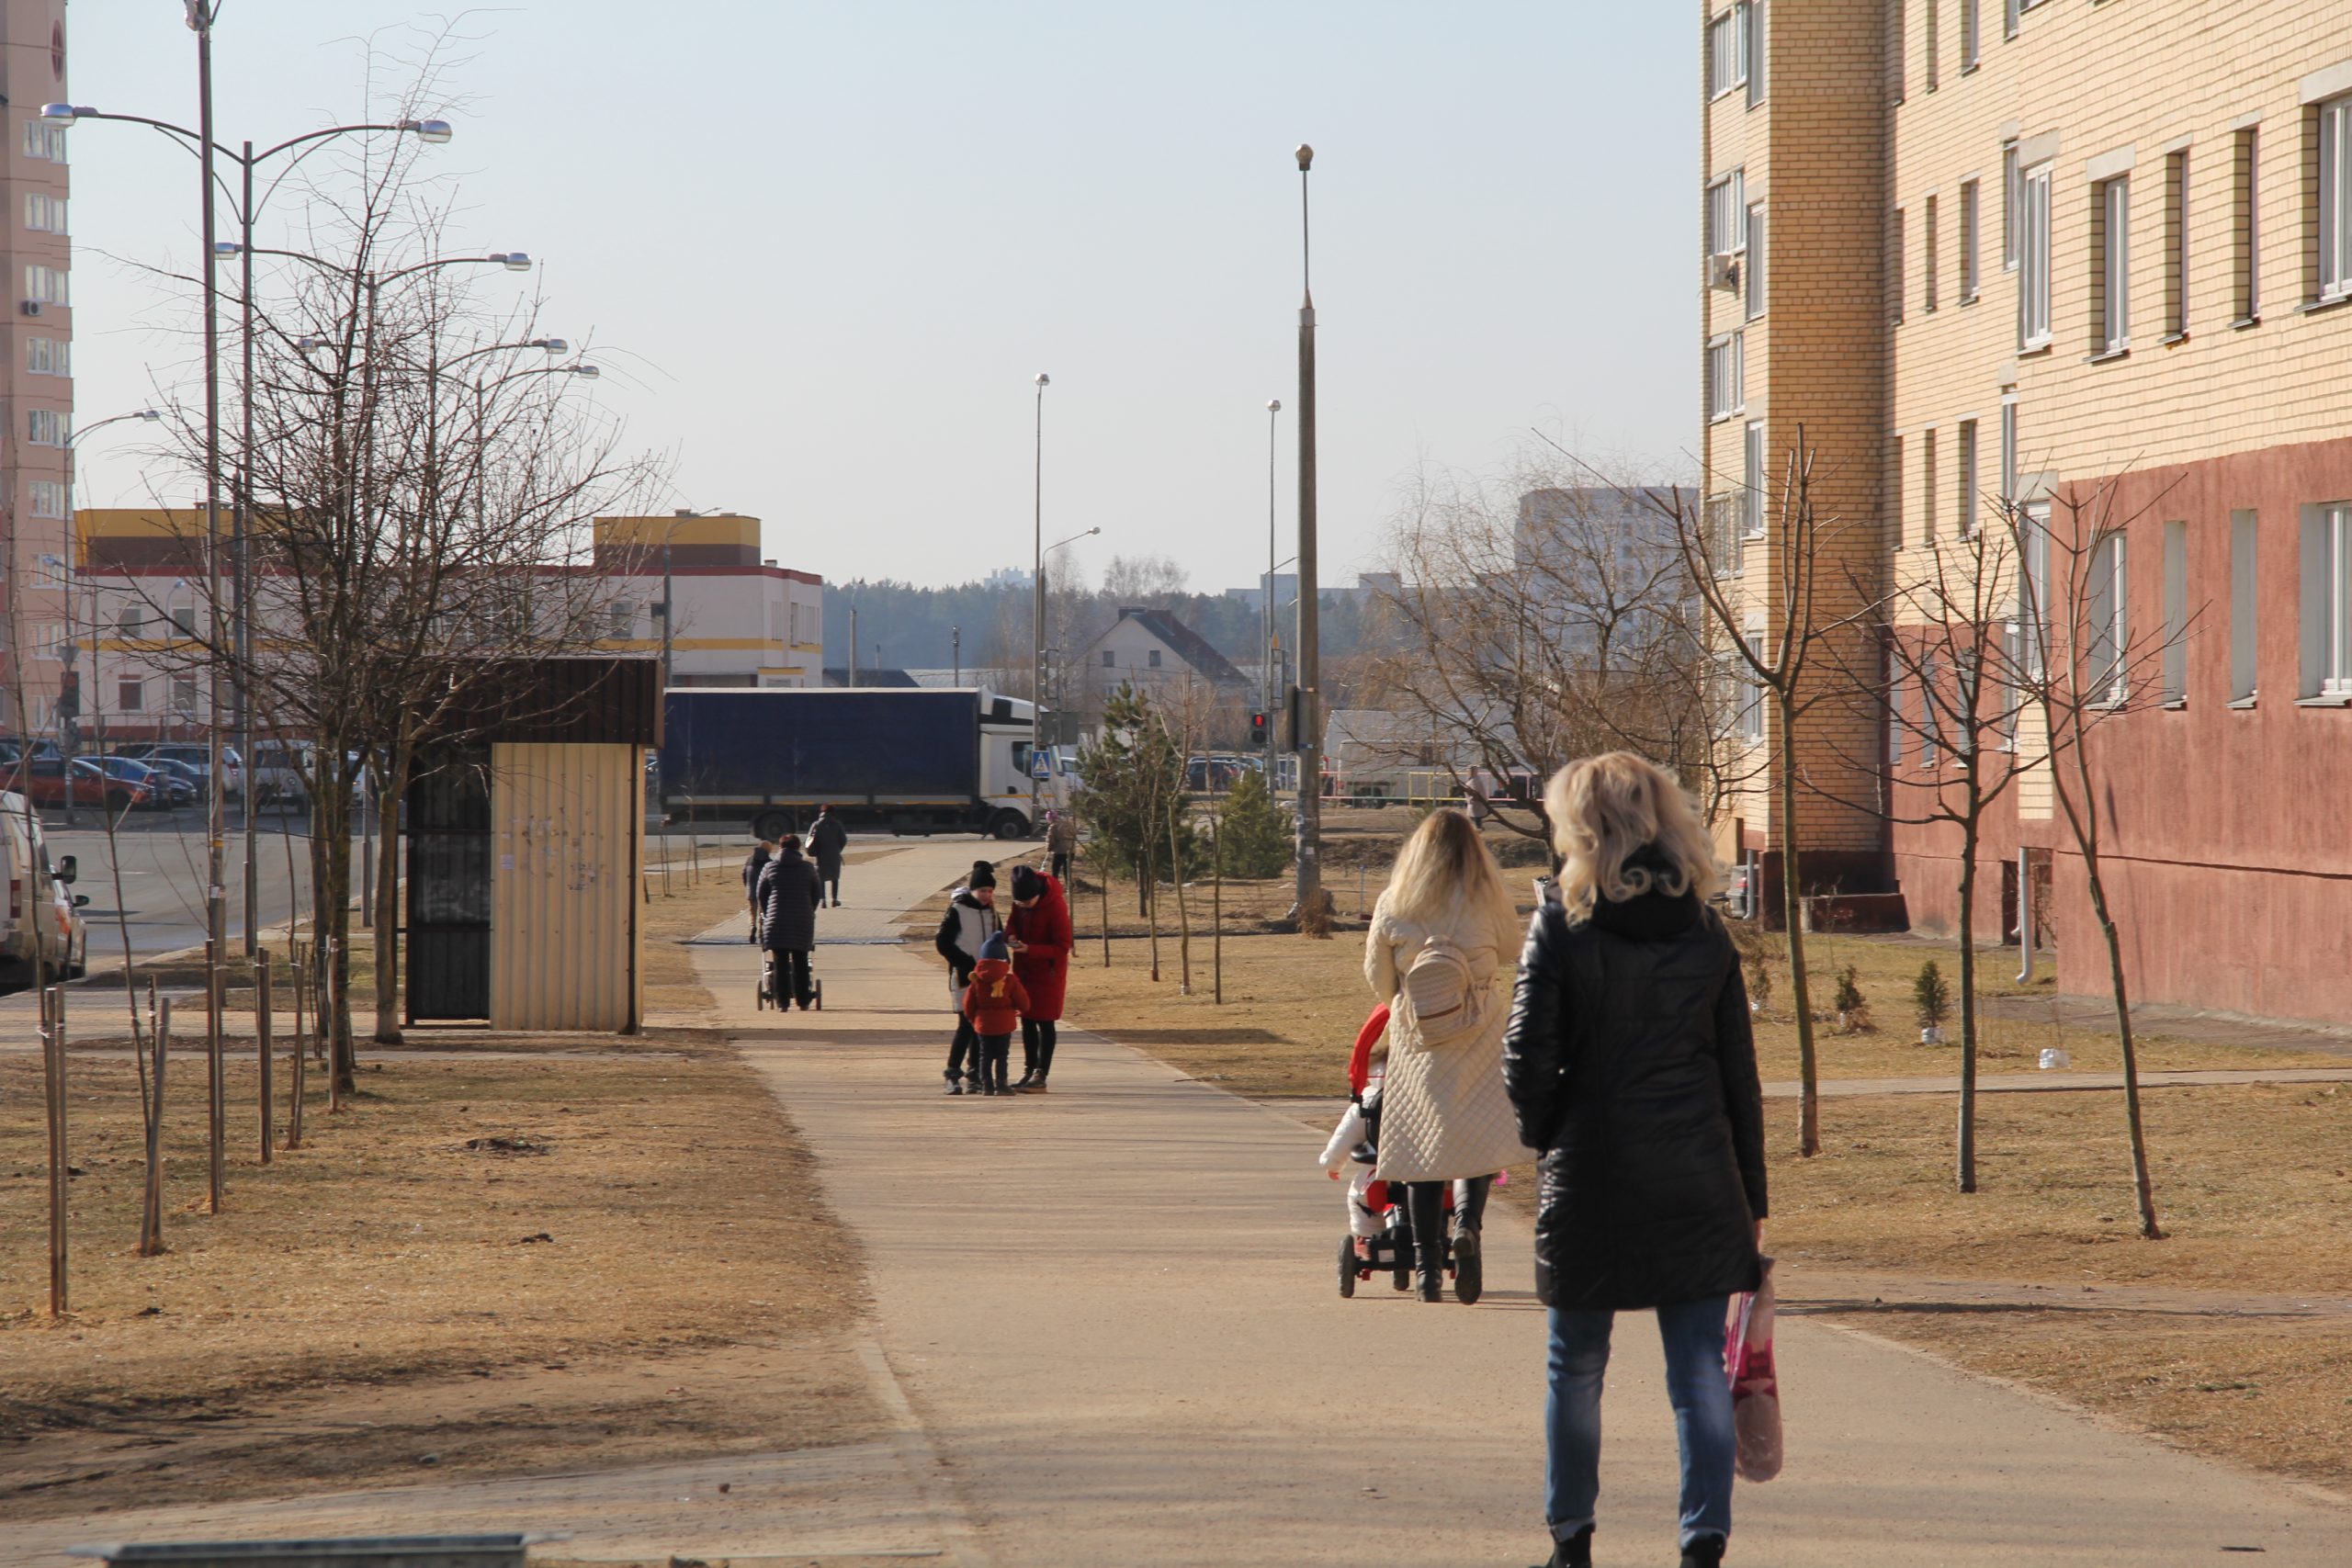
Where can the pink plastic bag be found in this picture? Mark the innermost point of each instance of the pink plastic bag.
(1755, 1387)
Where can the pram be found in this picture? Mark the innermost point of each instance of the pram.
(1380, 1230)
(769, 980)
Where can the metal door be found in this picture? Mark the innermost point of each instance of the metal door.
(448, 900)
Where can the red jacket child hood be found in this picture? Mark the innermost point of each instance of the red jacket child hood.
(994, 999)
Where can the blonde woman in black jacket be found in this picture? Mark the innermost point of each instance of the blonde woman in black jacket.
(1632, 1066)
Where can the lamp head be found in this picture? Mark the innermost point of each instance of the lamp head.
(310, 342)
(434, 132)
(513, 261)
(1306, 157)
(150, 415)
(61, 113)
(553, 344)
(1043, 379)
(1273, 405)
(226, 247)
(588, 370)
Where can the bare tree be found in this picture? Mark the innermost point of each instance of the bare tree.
(2083, 665)
(1152, 582)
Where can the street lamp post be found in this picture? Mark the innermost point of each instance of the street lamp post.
(1266, 670)
(1309, 742)
(1037, 606)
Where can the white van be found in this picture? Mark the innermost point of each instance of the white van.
(43, 915)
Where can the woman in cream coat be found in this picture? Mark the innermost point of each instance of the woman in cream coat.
(1444, 1114)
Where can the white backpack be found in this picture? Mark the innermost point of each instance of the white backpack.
(1448, 1004)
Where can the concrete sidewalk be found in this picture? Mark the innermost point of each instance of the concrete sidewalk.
(1114, 1310)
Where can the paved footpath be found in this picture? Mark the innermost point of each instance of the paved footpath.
(1113, 1311)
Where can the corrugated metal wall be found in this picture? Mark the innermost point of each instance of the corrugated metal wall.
(567, 829)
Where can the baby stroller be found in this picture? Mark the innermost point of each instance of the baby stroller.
(1380, 1236)
(771, 976)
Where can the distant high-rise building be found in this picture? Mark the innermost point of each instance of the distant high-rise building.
(36, 370)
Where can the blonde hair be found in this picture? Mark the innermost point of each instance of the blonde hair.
(1602, 810)
(1444, 862)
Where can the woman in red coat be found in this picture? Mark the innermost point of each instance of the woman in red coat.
(1040, 936)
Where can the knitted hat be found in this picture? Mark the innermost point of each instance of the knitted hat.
(1028, 883)
(995, 947)
(983, 874)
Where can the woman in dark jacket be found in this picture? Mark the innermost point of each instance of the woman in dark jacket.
(1632, 1066)
(787, 902)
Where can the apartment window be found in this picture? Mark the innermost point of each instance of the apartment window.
(1969, 238)
(2335, 199)
(2011, 187)
(2327, 601)
(1894, 700)
(1895, 494)
(2107, 620)
(1895, 283)
(1751, 690)
(1751, 498)
(1110, 660)
(2009, 10)
(1755, 10)
(624, 619)
(1727, 51)
(2176, 246)
(45, 141)
(1931, 716)
(1726, 376)
(1927, 487)
(184, 694)
(2111, 264)
(48, 498)
(1897, 43)
(1727, 214)
(131, 619)
(1152, 657)
(48, 286)
(2008, 449)
(1929, 258)
(1935, 63)
(1972, 37)
(49, 356)
(1964, 463)
(44, 214)
(130, 696)
(2246, 607)
(2246, 224)
(2176, 585)
(46, 427)
(2033, 582)
(184, 619)
(2034, 257)
(1756, 261)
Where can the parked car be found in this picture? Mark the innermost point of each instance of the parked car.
(197, 758)
(48, 783)
(42, 936)
(278, 773)
(167, 787)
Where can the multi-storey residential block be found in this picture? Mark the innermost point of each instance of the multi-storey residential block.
(37, 367)
(2088, 268)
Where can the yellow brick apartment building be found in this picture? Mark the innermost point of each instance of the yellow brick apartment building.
(1990, 255)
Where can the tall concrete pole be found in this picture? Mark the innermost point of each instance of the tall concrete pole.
(1309, 740)
(1266, 689)
(216, 822)
(1037, 606)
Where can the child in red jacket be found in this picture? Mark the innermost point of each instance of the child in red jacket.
(994, 1002)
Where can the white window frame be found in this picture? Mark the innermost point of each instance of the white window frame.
(47, 427)
(1894, 698)
(2107, 620)
(1757, 243)
(2033, 584)
(1971, 209)
(1756, 50)
(44, 213)
(130, 694)
(1933, 41)
(1898, 44)
(1752, 494)
(1972, 37)
(1726, 375)
(2327, 603)
(48, 498)
(2177, 245)
(49, 356)
(2335, 199)
(2246, 162)
(1727, 51)
(2113, 216)
(1727, 214)
(2011, 182)
(49, 285)
(2009, 459)
(1751, 690)
(2175, 592)
(2246, 607)
(1930, 242)
(2034, 326)
(1931, 718)
(1897, 286)
(1965, 465)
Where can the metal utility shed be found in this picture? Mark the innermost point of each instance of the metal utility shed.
(524, 828)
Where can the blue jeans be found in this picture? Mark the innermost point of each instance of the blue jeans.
(1693, 1336)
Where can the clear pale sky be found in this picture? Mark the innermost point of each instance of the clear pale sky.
(824, 247)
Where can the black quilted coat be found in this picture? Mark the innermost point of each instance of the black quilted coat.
(787, 901)
(1632, 1068)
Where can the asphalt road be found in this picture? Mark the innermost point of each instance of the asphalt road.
(145, 881)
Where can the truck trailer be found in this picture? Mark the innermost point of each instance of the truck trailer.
(885, 759)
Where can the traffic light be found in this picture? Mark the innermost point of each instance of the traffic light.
(1260, 726)
(69, 695)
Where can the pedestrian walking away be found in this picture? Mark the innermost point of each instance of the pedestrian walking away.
(994, 1002)
(970, 920)
(753, 864)
(827, 839)
(1630, 1065)
(1441, 935)
(1061, 843)
(1039, 935)
(787, 905)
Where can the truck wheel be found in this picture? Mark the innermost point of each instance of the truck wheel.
(1009, 824)
(771, 825)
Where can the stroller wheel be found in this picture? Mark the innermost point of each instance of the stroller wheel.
(1347, 1266)
(1469, 1277)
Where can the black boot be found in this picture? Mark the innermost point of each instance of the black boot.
(1573, 1552)
(1707, 1551)
(1427, 1201)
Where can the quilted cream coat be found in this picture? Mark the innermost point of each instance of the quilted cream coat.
(1444, 1114)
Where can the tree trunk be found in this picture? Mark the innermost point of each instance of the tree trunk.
(1969, 831)
(2143, 1189)
(387, 903)
(1183, 912)
(331, 914)
(1792, 912)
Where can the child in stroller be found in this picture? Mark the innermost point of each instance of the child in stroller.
(1380, 1226)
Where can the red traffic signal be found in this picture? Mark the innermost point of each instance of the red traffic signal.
(1260, 724)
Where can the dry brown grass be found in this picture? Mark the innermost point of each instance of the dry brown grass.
(669, 1214)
